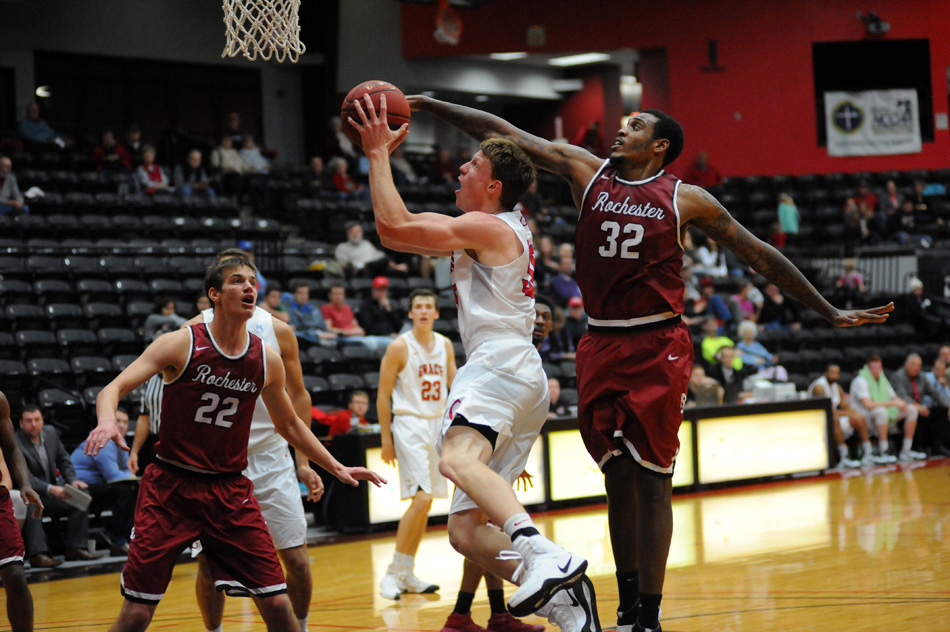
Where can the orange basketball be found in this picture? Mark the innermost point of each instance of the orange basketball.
(397, 108)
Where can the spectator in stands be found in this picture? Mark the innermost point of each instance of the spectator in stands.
(233, 129)
(545, 265)
(874, 397)
(134, 144)
(712, 340)
(318, 181)
(202, 302)
(730, 372)
(257, 164)
(703, 174)
(403, 173)
(847, 420)
(864, 195)
(341, 320)
(710, 260)
(889, 204)
(559, 345)
(229, 167)
(111, 156)
(163, 320)
(754, 354)
(943, 354)
(850, 285)
(919, 195)
(342, 421)
(378, 315)
(358, 256)
(937, 377)
(563, 285)
(576, 321)
(344, 184)
(191, 178)
(35, 132)
(909, 226)
(778, 312)
(533, 204)
(50, 469)
(11, 198)
(741, 304)
(918, 309)
(702, 389)
(272, 304)
(933, 407)
(590, 138)
(111, 485)
(151, 177)
(558, 407)
(443, 168)
(788, 217)
(307, 320)
(714, 304)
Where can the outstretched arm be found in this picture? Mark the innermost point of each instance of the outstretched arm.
(708, 215)
(19, 473)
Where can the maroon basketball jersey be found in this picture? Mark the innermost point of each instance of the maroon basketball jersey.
(628, 253)
(206, 411)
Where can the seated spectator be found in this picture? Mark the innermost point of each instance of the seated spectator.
(557, 407)
(341, 320)
(134, 144)
(861, 226)
(111, 485)
(788, 216)
(730, 372)
(343, 421)
(702, 389)
(741, 304)
(111, 156)
(533, 204)
(754, 354)
(873, 396)
(712, 340)
(151, 177)
(233, 129)
(564, 285)
(847, 420)
(358, 256)
(35, 132)
(850, 285)
(916, 308)
(403, 173)
(909, 226)
(933, 406)
(443, 169)
(51, 469)
(272, 304)
(889, 204)
(191, 178)
(545, 265)
(704, 175)
(559, 344)
(576, 321)
(711, 261)
(251, 154)
(164, 319)
(691, 291)
(864, 195)
(711, 304)
(306, 320)
(318, 181)
(343, 182)
(229, 167)
(11, 198)
(778, 311)
(202, 302)
(937, 376)
(378, 316)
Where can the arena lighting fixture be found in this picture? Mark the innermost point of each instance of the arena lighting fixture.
(508, 56)
(43, 92)
(579, 59)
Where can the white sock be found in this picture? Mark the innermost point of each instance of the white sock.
(868, 450)
(907, 444)
(882, 446)
(517, 522)
(303, 623)
(217, 629)
(843, 451)
(407, 561)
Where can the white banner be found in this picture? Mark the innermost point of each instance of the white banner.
(872, 123)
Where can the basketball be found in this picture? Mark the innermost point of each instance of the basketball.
(397, 108)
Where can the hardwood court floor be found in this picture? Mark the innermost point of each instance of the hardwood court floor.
(863, 551)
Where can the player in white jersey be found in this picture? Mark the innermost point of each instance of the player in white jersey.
(414, 380)
(499, 400)
(274, 474)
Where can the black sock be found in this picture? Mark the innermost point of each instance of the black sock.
(496, 599)
(629, 586)
(527, 532)
(463, 605)
(649, 610)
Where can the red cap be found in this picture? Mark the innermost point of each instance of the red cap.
(380, 281)
(576, 301)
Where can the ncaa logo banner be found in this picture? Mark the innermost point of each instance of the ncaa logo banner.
(872, 123)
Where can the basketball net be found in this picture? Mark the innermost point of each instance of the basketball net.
(448, 24)
(268, 28)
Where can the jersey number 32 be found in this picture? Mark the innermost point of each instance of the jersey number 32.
(613, 231)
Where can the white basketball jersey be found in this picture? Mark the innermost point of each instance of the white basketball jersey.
(263, 435)
(421, 388)
(496, 302)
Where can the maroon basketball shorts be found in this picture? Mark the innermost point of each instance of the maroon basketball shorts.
(11, 543)
(631, 391)
(174, 509)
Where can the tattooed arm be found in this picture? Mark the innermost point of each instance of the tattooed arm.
(574, 163)
(703, 210)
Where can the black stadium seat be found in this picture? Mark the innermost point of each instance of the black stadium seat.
(67, 413)
(15, 382)
(105, 315)
(46, 372)
(25, 317)
(35, 343)
(8, 348)
(66, 316)
(92, 371)
(54, 291)
(77, 342)
(15, 291)
(117, 341)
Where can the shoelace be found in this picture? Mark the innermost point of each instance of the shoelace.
(510, 556)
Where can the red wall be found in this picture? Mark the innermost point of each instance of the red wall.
(757, 117)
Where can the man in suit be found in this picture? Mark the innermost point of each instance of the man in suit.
(728, 375)
(49, 465)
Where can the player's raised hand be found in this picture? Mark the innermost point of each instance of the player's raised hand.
(106, 431)
(374, 128)
(855, 317)
(353, 476)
